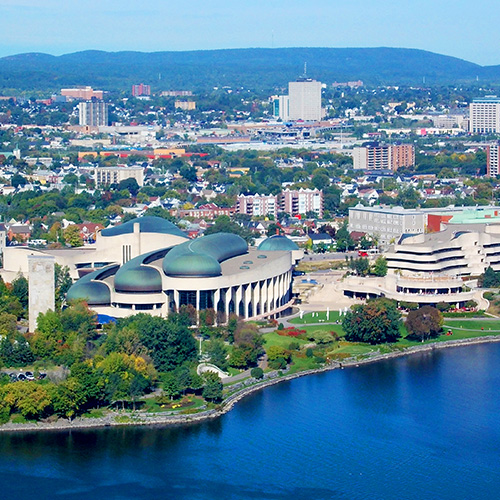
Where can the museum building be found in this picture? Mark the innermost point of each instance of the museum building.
(217, 271)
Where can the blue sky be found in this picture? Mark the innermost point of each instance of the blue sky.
(465, 29)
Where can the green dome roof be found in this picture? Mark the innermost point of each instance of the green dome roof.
(278, 242)
(138, 279)
(95, 293)
(134, 277)
(202, 257)
(147, 224)
(193, 265)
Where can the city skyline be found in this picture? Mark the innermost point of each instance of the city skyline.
(57, 27)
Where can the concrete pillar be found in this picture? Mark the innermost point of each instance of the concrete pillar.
(41, 286)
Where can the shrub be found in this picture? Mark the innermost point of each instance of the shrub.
(293, 346)
(277, 364)
(257, 373)
(309, 352)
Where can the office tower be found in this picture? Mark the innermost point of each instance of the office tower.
(305, 99)
(485, 115)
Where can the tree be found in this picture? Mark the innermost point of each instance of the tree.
(257, 373)
(18, 180)
(170, 385)
(223, 224)
(490, 278)
(375, 322)
(344, 240)
(129, 185)
(169, 343)
(361, 266)
(72, 236)
(217, 352)
(20, 288)
(425, 322)
(62, 282)
(380, 266)
(212, 391)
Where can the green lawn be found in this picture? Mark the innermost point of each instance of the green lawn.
(319, 317)
(274, 339)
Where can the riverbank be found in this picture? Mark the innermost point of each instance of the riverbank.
(117, 419)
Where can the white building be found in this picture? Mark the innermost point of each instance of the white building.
(388, 224)
(459, 250)
(281, 107)
(492, 160)
(305, 100)
(257, 205)
(113, 175)
(485, 115)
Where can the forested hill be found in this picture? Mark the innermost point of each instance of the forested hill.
(258, 69)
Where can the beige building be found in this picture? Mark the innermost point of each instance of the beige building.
(216, 272)
(383, 157)
(185, 105)
(85, 93)
(114, 245)
(114, 175)
(459, 250)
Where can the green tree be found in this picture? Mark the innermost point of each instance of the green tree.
(424, 323)
(170, 385)
(20, 290)
(72, 236)
(169, 344)
(380, 266)
(217, 352)
(212, 391)
(223, 224)
(375, 322)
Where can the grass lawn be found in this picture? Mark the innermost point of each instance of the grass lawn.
(324, 328)
(319, 317)
(301, 364)
(274, 339)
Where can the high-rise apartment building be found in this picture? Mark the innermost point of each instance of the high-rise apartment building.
(141, 90)
(302, 201)
(492, 160)
(93, 113)
(305, 100)
(257, 205)
(485, 115)
(383, 156)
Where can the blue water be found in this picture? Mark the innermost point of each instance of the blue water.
(421, 427)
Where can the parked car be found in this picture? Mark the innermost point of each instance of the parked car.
(29, 376)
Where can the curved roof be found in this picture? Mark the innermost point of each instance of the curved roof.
(134, 277)
(93, 292)
(147, 224)
(278, 242)
(202, 257)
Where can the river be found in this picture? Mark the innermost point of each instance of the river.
(424, 426)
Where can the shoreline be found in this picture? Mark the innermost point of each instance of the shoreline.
(150, 419)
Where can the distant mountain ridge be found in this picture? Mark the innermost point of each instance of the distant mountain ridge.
(256, 68)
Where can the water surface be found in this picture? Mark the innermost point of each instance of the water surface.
(419, 427)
